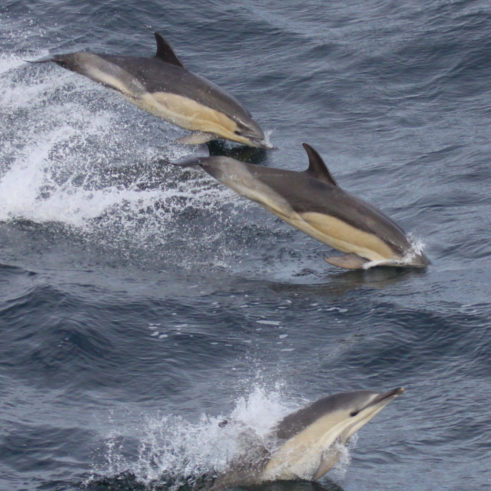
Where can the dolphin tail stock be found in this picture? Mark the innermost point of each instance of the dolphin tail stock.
(68, 61)
(188, 162)
(62, 60)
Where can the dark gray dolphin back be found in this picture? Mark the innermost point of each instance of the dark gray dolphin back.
(158, 76)
(296, 422)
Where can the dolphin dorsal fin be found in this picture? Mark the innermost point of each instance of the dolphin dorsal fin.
(317, 167)
(165, 51)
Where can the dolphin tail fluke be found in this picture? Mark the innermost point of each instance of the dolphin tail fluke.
(349, 261)
(198, 158)
(46, 59)
(188, 162)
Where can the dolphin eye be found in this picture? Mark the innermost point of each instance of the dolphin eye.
(353, 413)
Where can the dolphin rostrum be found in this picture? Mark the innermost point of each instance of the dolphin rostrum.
(162, 86)
(307, 443)
(313, 202)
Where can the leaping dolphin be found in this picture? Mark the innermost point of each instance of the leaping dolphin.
(162, 86)
(313, 202)
(307, 440)
(310, 433)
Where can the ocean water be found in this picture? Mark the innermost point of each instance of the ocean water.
(141, 304)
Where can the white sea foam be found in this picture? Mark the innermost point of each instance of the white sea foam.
(268, 322)
(267, 138)
(417, 245)
(9, 62)
(176, 449)
(29, 189)
(344, 453)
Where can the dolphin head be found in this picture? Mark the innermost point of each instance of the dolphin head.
(355, 409)
(310, 434)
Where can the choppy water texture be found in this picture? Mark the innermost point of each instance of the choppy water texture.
(141, 304)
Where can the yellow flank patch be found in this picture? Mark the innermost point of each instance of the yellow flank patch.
(189, 114)
(303, 455)
(341, 236)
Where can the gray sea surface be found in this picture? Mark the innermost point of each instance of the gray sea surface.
(141, 303)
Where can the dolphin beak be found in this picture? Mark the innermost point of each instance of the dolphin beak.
(387, 396)
(420, 260)
(264, 144)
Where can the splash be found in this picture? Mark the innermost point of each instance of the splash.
(344, 455)
(179, 452)
(8, 63)
(267, 139)
(417, 245)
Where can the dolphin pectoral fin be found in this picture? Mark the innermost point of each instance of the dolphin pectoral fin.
(349, 261)
(196, 138)
(327, 463)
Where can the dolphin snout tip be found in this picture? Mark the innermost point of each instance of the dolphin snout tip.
(255, 134)
(261, 140)
(394, 392)
(266, 145)
(420, 260)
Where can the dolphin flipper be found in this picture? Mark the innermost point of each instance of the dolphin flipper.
(349, 261)
(196, 138)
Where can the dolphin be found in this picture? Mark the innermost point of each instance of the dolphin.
(310, 433)
(163, 87)
(313, 202)
(307, 443)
